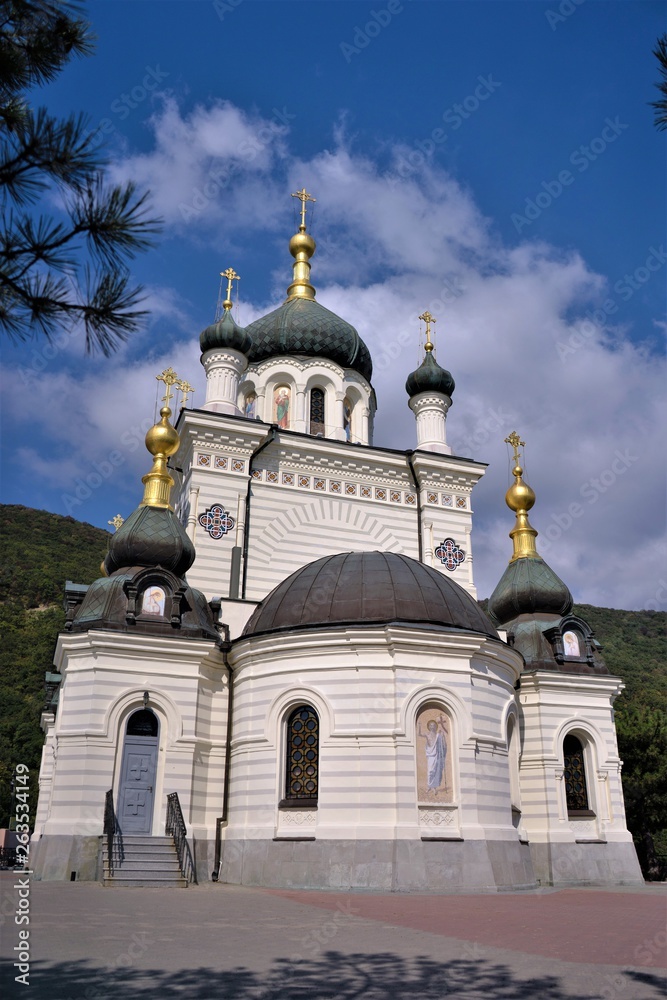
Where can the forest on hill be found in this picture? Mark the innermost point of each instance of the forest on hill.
(40, 551)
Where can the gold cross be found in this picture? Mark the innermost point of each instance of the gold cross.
(303, 197)
(117, 520)
(428, 319)
(186, 389)
(516, 443)
(231, 275)
(169, 377)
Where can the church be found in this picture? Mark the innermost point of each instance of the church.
(283, 677)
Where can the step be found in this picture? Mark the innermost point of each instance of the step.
(145, 883)
(145, 866)
(144, 852)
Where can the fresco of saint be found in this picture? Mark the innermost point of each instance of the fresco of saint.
(281, 406)
(433, 764)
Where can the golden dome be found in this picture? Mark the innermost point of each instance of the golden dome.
(519, 496)
(162, 438)
(302, 243)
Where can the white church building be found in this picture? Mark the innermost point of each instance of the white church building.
(285, 666)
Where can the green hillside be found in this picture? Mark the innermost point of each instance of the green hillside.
(41, 550)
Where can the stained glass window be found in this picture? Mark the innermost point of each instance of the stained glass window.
(302, 754)
(317, 411)
(574, 774)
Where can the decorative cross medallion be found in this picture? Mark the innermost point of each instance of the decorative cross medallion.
(186, 389)
(217, 521)
(450, 554)
(117, 520)
(169, 377)
(516, 443)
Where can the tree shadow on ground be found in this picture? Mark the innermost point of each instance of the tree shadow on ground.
(333, 976)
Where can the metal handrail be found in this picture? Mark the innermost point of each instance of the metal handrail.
(112, 831)
(175, 826)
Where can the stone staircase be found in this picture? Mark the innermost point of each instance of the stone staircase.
(146, 862)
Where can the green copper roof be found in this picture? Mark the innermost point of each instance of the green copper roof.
(225, 333)
(430, 377)
(528, 586)
(151, 536)
(303, 326)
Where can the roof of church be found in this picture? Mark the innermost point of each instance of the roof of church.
(225, 333)
(529, 586)
(430, 377)
(303, 326)
(151, 536)
(364, 588)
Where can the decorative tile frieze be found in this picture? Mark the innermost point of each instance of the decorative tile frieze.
(395, 496)
(204, 460)
(320, 484)
(380, 494)
(461, 503)
(271, 477)
(431, 498)
(447, 500)
(366, 491)
(220, 462)
(256, 473)
(238, 465)
(411, 498)
(350, 489)
(288, 479)
(441, 817)
(304, 482)
(335, 485)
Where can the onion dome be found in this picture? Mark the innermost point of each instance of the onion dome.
(151, 536)
(225, 333)
(367, 588)
(430, 377)
(301, 326)
(528, 585)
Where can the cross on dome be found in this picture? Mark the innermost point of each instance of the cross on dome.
(428, 319)
(303, 197)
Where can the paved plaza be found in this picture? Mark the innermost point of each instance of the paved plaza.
(217, 942)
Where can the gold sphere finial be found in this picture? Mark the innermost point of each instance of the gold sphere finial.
(302, 247)
(428, 319)
(520, 499)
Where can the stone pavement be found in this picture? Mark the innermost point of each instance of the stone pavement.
(217, 942)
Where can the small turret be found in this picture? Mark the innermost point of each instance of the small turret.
(225, 347)
(430, 389)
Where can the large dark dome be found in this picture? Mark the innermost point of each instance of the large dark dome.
(303, 326)
(529, 586)
(362, 588)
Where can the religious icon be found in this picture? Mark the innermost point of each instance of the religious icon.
(152, 601)
(571, 644)
(434, 782)
(250, 406)
(281, 404)
(347, 418)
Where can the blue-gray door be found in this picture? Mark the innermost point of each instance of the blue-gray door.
(137, 780)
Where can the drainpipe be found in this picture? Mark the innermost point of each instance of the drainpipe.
(409, 455)
(271, 436)
(215, 874)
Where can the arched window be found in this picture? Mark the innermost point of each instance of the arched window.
(574, 774)
(317, 424)
(302, 758)
(433, 741)
(142, 723)
(513, 762)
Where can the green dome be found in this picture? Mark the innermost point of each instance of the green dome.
(430, 377)
(225, 333)
(151, 536)
(303, 326)
(529, 586)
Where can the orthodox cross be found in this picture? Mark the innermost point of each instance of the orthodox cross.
(303, 197)
(169, 377)
(428, 319)
(186, 389)
(516, 443)
(231, 275)
(117, 520)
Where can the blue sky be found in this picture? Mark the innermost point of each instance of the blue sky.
(495, 162)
